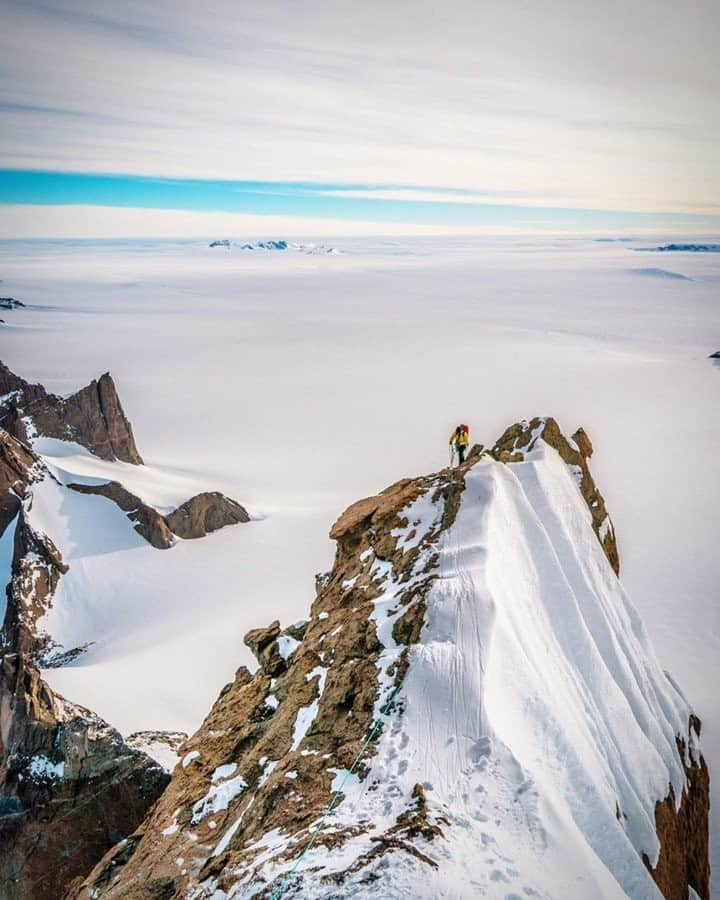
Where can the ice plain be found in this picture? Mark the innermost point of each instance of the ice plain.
(299, 384)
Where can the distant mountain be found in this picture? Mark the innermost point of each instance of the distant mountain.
(681, 248)
(276, 245)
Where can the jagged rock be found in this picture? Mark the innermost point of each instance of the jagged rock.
(205, 513)
(685, 857)
(69, 787)
(374, 509)
(19, 467)
(11, 303)
(148, 521)
(264, 643)
(321, 580)
(36, 568)
(520, 438)
(93, 416)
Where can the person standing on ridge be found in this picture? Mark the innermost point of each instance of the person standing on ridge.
(459, 440)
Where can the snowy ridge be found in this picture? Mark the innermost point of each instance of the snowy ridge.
(534, 715)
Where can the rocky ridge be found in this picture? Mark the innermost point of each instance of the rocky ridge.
(304, 732)
(92, 416)
(70, 787)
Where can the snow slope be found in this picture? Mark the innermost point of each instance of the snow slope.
(534, 708)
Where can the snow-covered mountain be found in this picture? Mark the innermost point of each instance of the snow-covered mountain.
(472, 709)
(276, 245)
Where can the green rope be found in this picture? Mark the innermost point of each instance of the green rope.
(335, 799)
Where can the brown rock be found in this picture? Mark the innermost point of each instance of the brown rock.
(35, 571)
(684, 832)
(19, 467)
(521, 437)
(70, 787)
(93, 416)
(205, 513)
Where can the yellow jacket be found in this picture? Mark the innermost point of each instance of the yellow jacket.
(460, 440)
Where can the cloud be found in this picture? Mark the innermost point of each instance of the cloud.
(607, 105)
(79, 222)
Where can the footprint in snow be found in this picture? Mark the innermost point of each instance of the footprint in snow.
(480, 750)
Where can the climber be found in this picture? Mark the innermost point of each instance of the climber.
(459, 440)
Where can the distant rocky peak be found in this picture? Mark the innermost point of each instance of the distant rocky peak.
(92, 416)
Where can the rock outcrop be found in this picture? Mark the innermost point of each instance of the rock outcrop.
(37, 565)
(364, 745)
(11, 303)
(205, 513)
(69, 787)
(684, 840)
(19, 467)
(196, 518)
(92, 417)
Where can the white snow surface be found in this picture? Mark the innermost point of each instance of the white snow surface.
(534, 707)
(299, 384)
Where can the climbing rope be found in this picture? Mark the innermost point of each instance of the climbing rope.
(335, 799)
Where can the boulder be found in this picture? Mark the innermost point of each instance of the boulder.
(205, 513)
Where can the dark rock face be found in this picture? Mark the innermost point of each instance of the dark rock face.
(69, 787)
(205, 513)
(10, 303)
(36, 569)
(148, 521)
(265, 645)
(684, 832)
(93, 416)
(19, 466)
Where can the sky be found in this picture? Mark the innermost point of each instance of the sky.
(373, 117)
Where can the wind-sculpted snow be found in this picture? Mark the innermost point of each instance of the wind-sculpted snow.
(532, 711)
